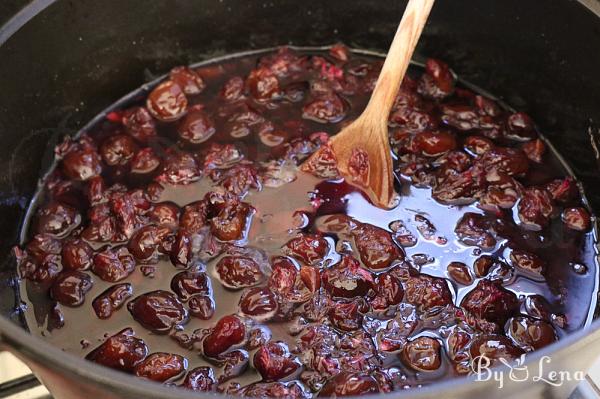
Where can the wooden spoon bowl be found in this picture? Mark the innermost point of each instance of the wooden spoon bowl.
(362, 150)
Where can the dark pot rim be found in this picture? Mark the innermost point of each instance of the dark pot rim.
(27, 346)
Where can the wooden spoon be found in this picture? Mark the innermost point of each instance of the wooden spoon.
(362, 149)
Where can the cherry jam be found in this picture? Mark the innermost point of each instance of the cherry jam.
(177, 240)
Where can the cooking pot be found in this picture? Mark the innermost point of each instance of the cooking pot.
(61, 62)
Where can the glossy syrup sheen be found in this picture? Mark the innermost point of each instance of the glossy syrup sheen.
(281, 213)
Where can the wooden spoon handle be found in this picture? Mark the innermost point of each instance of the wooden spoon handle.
(398, 57)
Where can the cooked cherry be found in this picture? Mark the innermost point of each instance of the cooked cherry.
(139, 124)
(490, 301)
(455, 161)
(283, 63)
(389, 291)
(329, 72)
(460, 188)
(576, 219)
(165, 214)
(118, 150)
(33, 270)
(188, 79)
(222, 156)
(493, 268)
(505, 160)
(520, 127)
(375, 246)
(536, 306)
(326, 109)
(339, 52)
(402, 235)
(233, 89)
(244, 123)
(458, 342)
(167, 102)
(347, 314)
(263, 84)
(534, 150)
(123, 209)
(161, 366)
(288, 390)
(258, 337)
(530, 334)
(103, 225)
(154, 190)
(434, 144)
(460, 273)
(200, 379)
(348, 279)
(148, 270)
(528, 262)
(111, 300)
(181, 249)
(310, 249)
(237, 272)
(158, 311)
(229, 331)
(194, 216)
(535, 208)
(77, 255)
(145, 242)
(122, 351)
(412, 120)
(81, 164)
(502, 193)
(70, 287)
(562, 190)
(474, 229)
(427, 292)
(56, 219)
(425, 227)
(487, 106)
(201, 306)
(238, 179)
(233, 363)
(42, 246)
(442, 76)
(349, 384)
(283, 276)
(494, 348)
(113, 265)
(274, 361)
(295, 92)
(230, 223)
(423, 354)
(258, 303)
(276, 174)
(95, 190)
(188, 283)
(478, 145)
(311, 277)
(196, 126)
(145, 162)
(394, 336)
(180, 168)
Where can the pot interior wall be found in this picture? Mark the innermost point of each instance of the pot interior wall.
(75, 58)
